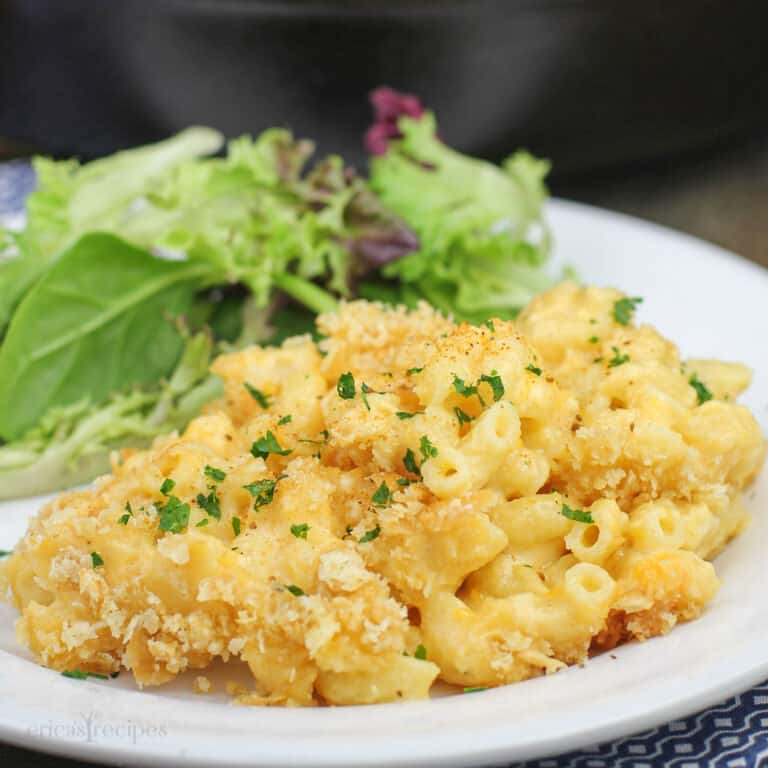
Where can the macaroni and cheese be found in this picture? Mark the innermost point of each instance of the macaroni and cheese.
(406, 500)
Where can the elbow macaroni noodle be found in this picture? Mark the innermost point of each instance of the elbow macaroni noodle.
(487, 504)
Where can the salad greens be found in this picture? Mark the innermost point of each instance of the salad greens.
(72, 444)
(99, 321)
(482, 241)
(133, 271)
(72, 200)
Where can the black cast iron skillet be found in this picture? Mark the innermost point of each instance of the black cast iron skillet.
(589, 84)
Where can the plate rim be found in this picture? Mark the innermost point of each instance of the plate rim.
(119, 753)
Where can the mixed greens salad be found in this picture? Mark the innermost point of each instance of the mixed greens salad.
(134, 270)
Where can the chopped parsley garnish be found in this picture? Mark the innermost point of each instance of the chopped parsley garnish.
(218, 475)
(403, 481)
(411, 371)
(366, 390)
(578, 515)
(598, 360)
(402, 415)
(236, 525)
(409, 462)
(382, 496)
(462, 416)
(346, 386)
(489, 325)
(263, 492)
(624, 309)
(173, 515)
(285, 420)
(78, 674)
(202, 523)
(347, 532)
(300, 531)
(167, 486)
(96, 559)
(467, 390)
(428, 451)
(370, 535)
(533, 369)
(75, 674)
(496, 384)
(702, 391)
(618, 358)
(420, 653)
(593, 339)
(6, 552)
(475, 689)
(294, 590)
(462, 388)
(262, 447)
(258, 396)
(123, 520)
(210, 504)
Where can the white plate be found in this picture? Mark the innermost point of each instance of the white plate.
(712, 304)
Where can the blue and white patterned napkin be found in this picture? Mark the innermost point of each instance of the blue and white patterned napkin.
(731, 735)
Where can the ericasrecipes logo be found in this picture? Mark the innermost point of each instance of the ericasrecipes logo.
(88, 728)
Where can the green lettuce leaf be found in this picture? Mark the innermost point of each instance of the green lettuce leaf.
(72, 199)
(483, 239)
(100, 321)
(72, 444)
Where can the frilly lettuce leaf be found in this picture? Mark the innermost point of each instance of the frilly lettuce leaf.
(483, 238)
(253, 214)
(266, 225)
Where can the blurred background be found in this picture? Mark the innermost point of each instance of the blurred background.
(654, 108)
